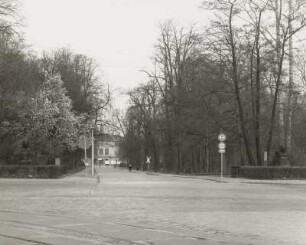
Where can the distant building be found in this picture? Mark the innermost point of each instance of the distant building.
(108, 148)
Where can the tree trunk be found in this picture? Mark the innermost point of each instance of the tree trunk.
(257, 97)
(278, 14)
(290, 92)
(237, 91)
(276, 93)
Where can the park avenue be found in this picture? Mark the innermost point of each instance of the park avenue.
(147, 208)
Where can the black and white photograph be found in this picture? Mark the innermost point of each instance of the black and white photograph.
(152, 122)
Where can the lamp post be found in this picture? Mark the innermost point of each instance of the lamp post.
(92, 153)
(85, 155)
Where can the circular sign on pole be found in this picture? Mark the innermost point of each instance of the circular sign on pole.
(221, 137)
(84, 143)
(221, 146)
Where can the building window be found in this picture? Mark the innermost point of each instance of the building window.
(100, 151)
(106, 151)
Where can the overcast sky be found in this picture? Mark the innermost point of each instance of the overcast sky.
(119, 34)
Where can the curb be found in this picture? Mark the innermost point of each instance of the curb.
(228, 179)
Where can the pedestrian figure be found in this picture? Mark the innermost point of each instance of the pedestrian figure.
(130, 167)
(276, 159)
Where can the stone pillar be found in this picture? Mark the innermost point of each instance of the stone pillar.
(284, 160)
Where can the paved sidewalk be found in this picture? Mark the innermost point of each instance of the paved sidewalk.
(83, 176)
(228, 179)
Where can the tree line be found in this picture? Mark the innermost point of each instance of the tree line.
(47, 100)
(243, 75)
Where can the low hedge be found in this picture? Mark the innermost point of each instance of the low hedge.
(32, 171)
(270, 172)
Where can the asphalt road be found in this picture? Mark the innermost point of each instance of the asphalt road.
(139, 208)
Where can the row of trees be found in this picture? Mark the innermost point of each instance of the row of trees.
(46, 101)
(240, 75)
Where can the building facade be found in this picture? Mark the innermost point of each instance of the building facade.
(108, 149)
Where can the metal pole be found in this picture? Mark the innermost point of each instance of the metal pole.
(85, 157)
(92, 153)
(221, 165)
(85, 150)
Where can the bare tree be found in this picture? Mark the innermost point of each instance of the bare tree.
(8, 14)
(236, 22)
(287, 25)
(174, 47)
(145, 98)
(226, 34)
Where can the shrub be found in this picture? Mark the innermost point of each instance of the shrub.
(269, 172)
(32, 171)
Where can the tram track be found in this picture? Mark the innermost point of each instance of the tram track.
(25, 240)
(61, 231)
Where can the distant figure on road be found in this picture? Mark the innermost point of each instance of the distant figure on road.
(276, 159)
(130, 167)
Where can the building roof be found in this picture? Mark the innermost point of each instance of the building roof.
(109, 138)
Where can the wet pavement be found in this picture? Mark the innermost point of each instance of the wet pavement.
(141, 208)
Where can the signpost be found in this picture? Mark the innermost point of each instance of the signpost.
(222, 146)
(85, 143)
(221, 137)
(148, 161)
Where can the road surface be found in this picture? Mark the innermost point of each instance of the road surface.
(151, 209)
